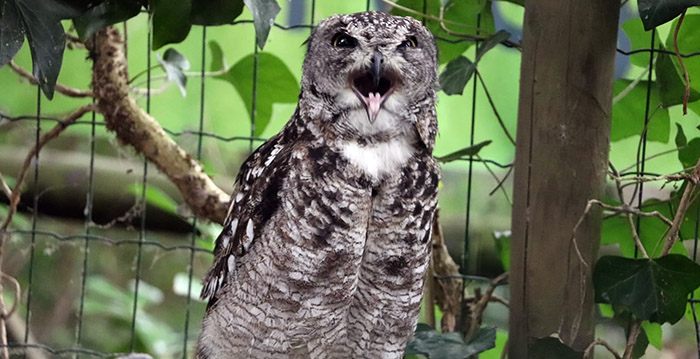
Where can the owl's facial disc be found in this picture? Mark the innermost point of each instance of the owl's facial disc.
(373, 86)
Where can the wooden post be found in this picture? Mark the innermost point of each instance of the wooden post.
(560, 163)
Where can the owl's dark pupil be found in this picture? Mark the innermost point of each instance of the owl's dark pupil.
(343, 40)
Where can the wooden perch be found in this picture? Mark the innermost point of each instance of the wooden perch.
(133, 126)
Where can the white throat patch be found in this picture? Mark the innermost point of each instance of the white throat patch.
(378, 160)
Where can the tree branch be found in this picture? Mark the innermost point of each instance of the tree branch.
(63, 89)
(133, 126)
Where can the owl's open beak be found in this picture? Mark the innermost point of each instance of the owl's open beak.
(373, 86)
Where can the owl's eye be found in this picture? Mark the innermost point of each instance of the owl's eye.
(409, 42)
(343, 40)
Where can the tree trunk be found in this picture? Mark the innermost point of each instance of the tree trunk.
(561, 159)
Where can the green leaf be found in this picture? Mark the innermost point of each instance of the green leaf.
(656, 12)
(456, 75)
(42, 23)
(681, 140)
(175, 65)
(491, 42)
(264, 13)
(426, 341)
(11, 32)
(458, 71)
(463, 12)
(469, 151)
(503, 247)
(640, 39)
(552, 348)
(171, 21)
(688, 40)
(690, 154)
(215, 12)
(654, 333)
(275, 85)
(218, 62)
(652, 289)
(671, 83)
(652, 230)
(106, 13)
(628, 113)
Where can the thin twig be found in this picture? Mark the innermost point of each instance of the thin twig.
(600, 342)
(48, 136)
(63, 89)
(686, 96)
(493, 107)
(682, 208)
(631, 86)
(18, 294)
(482, 301)
(498, 180)
(632, 338)
(5, 188)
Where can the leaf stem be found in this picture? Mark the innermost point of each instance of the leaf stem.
(686, 96)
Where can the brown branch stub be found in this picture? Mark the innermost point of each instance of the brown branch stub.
(133, 126)
(447, 292)
(60, 88)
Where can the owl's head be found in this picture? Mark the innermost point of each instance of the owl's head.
(379, 65)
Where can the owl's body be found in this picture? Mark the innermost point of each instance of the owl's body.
(326, 244)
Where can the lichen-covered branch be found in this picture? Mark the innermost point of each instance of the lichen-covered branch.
(133, 126)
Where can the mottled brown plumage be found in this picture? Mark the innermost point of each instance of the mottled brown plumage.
(326, 243)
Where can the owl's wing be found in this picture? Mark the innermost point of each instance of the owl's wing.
(253, 202)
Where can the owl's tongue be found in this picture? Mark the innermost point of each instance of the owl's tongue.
(374, 102)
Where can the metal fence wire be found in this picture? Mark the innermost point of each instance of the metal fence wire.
(26, 347)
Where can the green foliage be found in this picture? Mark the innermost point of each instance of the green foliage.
(656, 12)
(104, 14)
(170, 20)
(155, 197)
(651, 289)
(40, 20)
(502, 240)
(458, 71)
(628, 113)
(434, 345)
(474, 17)
(215, 12)
(671, 83)
(275, 85)
(688, 152)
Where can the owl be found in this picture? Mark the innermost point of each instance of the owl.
(326, 243)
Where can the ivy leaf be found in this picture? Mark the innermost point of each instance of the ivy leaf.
(688, 152)
(688, 40)
(175, 65)
(106, 13)
(11, 32)
(456, 75)
(264, 13)
(463, 12)
(639, 39)
(652, 289)
(218, 62)
(426, 341)
(654, 334)
(469, 151)
(171, 21)
(671, 84)
(628, 112)
(275, 85)
(656, 12)
(491, 42)
(215, 12)
(552, 348)
(41, 20)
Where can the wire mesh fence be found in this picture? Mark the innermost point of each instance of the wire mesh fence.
(142, 245)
